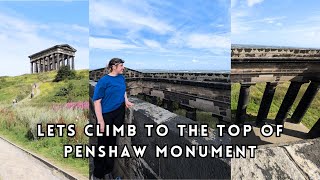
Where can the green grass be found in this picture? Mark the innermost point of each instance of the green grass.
(18, 123)
(202, 117)
(19, 126)
(20, 86)
(256, 92)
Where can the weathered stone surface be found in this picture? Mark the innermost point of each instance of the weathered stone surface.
(299, 160)
(151, 167)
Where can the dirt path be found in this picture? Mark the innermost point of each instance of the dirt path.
(28, 98)
(17, 164)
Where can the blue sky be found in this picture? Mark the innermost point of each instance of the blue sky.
(28, 27)
(276, 22)
(152, 34)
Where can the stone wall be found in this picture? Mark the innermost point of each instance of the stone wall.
(203, 91)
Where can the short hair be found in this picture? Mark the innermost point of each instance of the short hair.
(114, 61)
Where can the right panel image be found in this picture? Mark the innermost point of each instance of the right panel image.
(275, 75)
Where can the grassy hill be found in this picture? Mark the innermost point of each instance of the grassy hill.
(54, 102)
(20, 87)
(256, 93)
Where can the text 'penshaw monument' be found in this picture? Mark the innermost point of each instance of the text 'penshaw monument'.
(52, 58)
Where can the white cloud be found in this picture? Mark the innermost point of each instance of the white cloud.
(110, 14)
(152, 44)
(207, 41)
(253, 2)
(195, 61)
(109, 44)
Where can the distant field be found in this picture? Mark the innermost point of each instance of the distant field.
(256, 92)
(56, 102)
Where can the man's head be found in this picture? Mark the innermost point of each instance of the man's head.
(116, 65)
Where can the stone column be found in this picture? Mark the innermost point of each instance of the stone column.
(31, 68)
(192, 114)
(287, 102)
(168, 105)
(68, 62)
(242, 103)
(305, 102)
(45, 64)
(266, 102)
(58, 60)
(72, 62)
(41, 67)
(37, 66)
(315, 130)
(54, 65)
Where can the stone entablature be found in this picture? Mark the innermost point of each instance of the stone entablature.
(272, 52)
(52, 58)
(130, 73)
(250, 65)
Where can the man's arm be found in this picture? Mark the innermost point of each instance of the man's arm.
(98, 111)
(128, 103)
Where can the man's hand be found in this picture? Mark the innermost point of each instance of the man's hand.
(129, 104)
(102, 125)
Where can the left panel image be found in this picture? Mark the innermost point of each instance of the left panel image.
(43, 89)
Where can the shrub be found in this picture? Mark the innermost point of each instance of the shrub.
(64, 73)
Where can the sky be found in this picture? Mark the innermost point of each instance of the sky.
(153, 34)
(29, 27)
(291, 23)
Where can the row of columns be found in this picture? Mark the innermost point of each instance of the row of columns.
(286, 104)
(52, 62)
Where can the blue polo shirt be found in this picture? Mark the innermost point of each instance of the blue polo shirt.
(110, 89)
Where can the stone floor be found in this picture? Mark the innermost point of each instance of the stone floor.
(291, 133)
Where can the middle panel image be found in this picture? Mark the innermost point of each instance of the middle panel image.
(159, 84)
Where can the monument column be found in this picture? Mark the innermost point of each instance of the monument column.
(58, 61)
(41, 65)
(243, 103)
(72, 62)
(50, 63)
(287, 102)
(31, 67)
(305, 102)
(37, 66)
(68, 63)
(266, 102)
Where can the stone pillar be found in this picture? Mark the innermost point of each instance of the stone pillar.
(168, 105)
(192, 114)
(154, 100)
(242, 103)
(63, 59)
(72, 62)
(58, 60)
(45, 64)
(266, 102)
(54, 64)
(305, 102)
(37, 66)
(287, 102)
(31, 68)
(41, 65)
(49, 63)
(68, 62)
(315, 130)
